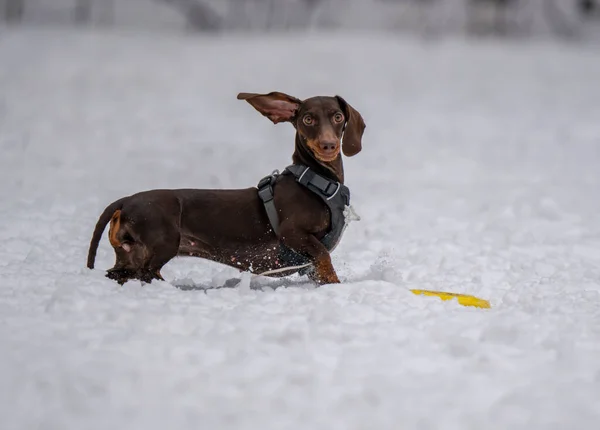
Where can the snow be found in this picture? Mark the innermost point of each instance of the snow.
(479, 175)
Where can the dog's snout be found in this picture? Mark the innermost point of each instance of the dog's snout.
(328, 145)
(328, 142)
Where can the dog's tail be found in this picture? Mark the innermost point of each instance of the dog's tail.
(100, 225)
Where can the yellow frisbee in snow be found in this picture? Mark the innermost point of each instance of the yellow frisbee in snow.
(463, 299)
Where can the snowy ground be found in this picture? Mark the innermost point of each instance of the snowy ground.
(479, 175)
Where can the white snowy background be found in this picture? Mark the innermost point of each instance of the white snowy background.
(480, 174)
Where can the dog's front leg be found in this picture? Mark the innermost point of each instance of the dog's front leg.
(303, 242)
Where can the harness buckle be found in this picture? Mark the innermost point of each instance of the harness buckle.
(332, 187)
(265, 186)
(264, 182)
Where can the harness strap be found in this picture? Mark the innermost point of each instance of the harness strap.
(307, 177)
(265, 192)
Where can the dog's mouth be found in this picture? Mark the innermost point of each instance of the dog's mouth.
(325, 156)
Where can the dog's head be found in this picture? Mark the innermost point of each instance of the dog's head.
(325, 124)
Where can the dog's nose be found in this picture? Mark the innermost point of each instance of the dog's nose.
(328, 146)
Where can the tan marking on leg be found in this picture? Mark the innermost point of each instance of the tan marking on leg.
(325, 273)
(115, 224)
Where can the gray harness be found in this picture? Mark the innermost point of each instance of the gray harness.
(335, 195)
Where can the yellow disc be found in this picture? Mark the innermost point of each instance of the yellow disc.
(463, 299)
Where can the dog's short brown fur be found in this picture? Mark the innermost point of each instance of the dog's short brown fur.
(231, 227)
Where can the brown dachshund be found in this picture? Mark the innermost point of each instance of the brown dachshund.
(234, 227)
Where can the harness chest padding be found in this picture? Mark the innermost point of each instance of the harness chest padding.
(334, 194)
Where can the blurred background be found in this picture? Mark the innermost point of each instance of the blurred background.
(572, 19)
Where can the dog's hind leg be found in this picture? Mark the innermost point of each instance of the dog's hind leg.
(143, 261)
(129, 259)
(145, 237)
(161, 252)
(161, 239)
(130, 253)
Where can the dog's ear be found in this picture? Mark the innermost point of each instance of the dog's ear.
(276, 106)
(355, 127)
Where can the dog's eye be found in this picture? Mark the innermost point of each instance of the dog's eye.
(308, 120)
(338, 117)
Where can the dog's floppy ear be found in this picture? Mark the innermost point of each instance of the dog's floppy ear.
(355, 127)
(276, 106)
